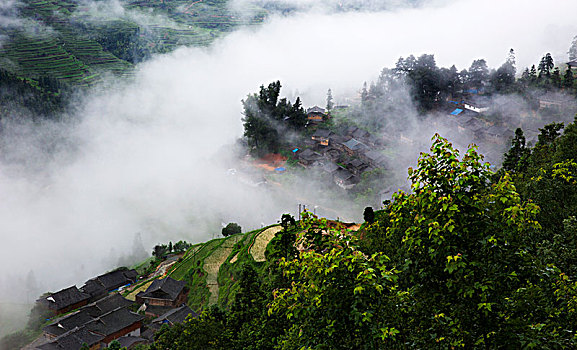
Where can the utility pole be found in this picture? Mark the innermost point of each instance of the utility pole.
(299, 212)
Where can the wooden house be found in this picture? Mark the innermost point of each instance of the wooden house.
(85, 315)
(353, 147)
(98, 332)
(99, 286)
(322, 136)
(65, 300)
(316, 114)
(162, 295)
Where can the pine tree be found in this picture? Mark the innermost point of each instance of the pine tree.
(556, 78)
(533, 75)
(515, 159)
(568, 80)
(546, 65)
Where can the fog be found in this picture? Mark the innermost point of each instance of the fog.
(150, 156)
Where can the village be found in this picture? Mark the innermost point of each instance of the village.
(345, 153)
(96, 314)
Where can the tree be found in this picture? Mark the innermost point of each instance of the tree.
(504, 77)
(160, 251)
(478, 73)
(556, 78)
(516, 158)
(568, 79)
(266, 118)
(339, 298)
(533, 75)
(369, 215)
(330, 103)
(463, 250)
(230, 229)
(425, 80)
(115, 345)
(545, 66)
(286, 221)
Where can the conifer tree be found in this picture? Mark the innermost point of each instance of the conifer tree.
(568, 80)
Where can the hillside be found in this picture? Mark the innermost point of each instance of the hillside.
(211, 269)
(53, 46)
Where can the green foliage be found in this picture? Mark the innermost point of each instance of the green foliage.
(516, 158)
(464, 245)
(459, 262)
(369, 215)
(18, 339)
(231, 229)
(266, 118)
(338, 298)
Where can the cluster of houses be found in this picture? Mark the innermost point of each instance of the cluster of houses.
(344, 155)
(467, 116)
(97, 314)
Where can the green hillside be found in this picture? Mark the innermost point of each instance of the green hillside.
(59, 45)
(211, 269)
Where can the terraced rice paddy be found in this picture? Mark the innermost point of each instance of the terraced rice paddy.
(46, 57)
(261, 241)
(212, 265)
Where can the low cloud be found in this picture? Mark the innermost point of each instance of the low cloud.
(146, 156)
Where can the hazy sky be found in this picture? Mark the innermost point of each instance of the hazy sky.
(147, 156)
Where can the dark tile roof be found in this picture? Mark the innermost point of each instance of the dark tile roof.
(355, 145)
(377, 157)
(339, 139)
(343, 174)
(166, 288)
(177, 315)
(64, 298)
(315, 109)
(128, 341)
(73, 339)
(113, 322)
(157, 310)
(116, 279)
(330, 167)
(322, 133)
(68, 323)
(94, 288)
(105, 305)
(309, 155)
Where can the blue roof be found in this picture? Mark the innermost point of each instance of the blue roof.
(456, 111)
(280, 169)
(455, 102)
(295, 150)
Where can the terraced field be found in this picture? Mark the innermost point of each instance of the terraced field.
(261, 240)
(45, 56)
(212, 265)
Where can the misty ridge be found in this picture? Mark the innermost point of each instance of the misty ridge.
(149, 156)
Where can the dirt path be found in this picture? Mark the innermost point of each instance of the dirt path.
(212, 265)
(261, 241)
